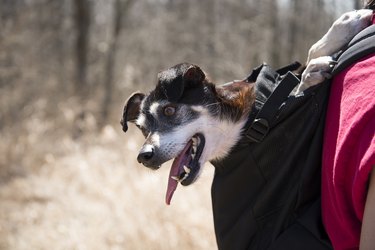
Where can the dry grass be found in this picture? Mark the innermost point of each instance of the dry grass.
(57, 193)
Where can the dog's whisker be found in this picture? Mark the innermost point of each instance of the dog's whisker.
(211, 104)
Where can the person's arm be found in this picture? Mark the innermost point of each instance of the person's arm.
(367, 241)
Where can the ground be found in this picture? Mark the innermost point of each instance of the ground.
(92, 194)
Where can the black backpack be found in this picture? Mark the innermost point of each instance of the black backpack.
(266, 193)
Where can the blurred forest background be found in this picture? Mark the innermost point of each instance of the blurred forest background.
(68, 175)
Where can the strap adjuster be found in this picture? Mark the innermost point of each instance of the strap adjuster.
(258, 130)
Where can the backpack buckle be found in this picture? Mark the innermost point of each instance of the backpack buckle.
(258, 130)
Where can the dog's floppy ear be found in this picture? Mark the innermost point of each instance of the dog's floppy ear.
(174, 81)
(131, 109)
(193, 76)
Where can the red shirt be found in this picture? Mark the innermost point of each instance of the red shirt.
(348, 152)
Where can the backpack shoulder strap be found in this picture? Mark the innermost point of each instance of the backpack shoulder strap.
(361, 45)
(263, 120)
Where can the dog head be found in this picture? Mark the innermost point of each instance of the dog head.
(188, 119)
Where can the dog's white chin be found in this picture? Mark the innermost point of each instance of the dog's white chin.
(218, 144)
(221, 137)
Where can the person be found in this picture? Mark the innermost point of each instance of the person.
(348, 179)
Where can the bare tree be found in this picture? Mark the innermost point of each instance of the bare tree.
(82, 17)
(120, 7)
(274, 27)
(82, 22)
(297, 8)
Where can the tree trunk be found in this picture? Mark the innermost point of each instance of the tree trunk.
(274, 34)
(267, 35)
(120, 8)
(294, 28)
(82, 22)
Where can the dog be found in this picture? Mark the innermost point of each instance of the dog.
(191, 120)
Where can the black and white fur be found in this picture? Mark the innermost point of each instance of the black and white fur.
(188, 118)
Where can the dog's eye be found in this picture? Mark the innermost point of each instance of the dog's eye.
(169, 111)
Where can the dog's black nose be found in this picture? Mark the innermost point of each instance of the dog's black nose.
(146, 154)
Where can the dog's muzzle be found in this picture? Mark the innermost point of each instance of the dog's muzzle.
(146, 154)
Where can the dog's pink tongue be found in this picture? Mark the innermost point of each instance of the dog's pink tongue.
(172, 184)
(177, 164)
